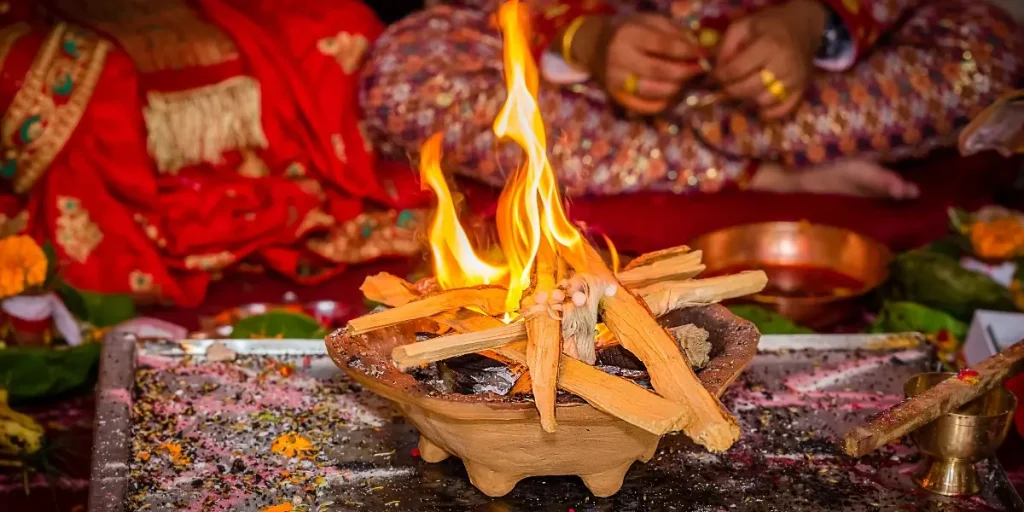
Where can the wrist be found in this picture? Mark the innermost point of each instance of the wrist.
(584, 50)
(810, 17)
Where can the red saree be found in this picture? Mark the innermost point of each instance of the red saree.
(157, 143)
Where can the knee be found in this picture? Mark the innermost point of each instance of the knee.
(424, 66)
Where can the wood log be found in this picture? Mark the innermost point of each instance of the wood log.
(707, 422)
(544, 341)
(389, 289)
(613, 395)
(669, 295)
(650, 257)
(489, 299)
(617, 397)
(445, 347)
(677, 267)
(947, 396)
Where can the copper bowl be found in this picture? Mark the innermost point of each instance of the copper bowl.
(499, 439)
(816, 273)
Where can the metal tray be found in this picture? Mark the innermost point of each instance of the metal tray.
(792, 402)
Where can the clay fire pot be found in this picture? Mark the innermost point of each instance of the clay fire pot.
(500, 440)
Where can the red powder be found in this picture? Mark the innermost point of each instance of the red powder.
(415, 452)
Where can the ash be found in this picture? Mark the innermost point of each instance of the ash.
(203, 437)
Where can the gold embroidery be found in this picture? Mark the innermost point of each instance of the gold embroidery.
(140, 282)
(50, 103)
(76, 233)
(13, 225)
(348, 49)
(295, 170)
(851, 5)
(339, 146)
(253, 166)
(157, 35)
(212, 261)
(316, 218)
(10, 35)
(200, 125)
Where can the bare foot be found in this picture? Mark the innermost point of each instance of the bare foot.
(859, 178)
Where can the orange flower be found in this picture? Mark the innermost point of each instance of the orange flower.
(998, 239)
(293, 445)
(22, 265)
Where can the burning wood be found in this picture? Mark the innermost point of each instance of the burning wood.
(445, 347)
(543, 344)
(490, 299)
(674, 266)
(669, 295)
(541, 307)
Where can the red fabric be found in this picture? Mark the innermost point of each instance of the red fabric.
(163, 232)
(1016, 386)
(650, 221)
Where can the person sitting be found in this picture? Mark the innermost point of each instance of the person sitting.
(699, 96)
(155, 144)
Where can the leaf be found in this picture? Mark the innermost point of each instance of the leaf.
(960, 220)
(35, 373)
(98, 309)
(51, 265)
(278, 324)
(952, 246)
(902, 316)
(767, 321)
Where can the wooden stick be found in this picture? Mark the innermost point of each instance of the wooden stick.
(684, 267)
(524, 384)
(947, 396)
(667, 296)
(444, 347)
(612, 395)
(490, 299)
(544, 342)
(707, 422)
(651, 257)
(389, 289)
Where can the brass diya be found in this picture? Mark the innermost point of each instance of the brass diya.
(500, 439)
(955, 441)
(816, 273)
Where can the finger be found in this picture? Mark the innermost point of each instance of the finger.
(749, 88)
(775, 109)
(646, 88)
(737, 36)
(750, 60)
(638, 105)
(655, 68)
(671, 43)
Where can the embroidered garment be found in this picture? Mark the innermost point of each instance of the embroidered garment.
(156, 143)
(898, 97)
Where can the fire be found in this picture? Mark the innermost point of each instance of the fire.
(530, 218)
(456, 265)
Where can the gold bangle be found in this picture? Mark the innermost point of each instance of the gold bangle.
(567, 37)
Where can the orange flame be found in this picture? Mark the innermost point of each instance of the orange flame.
(456, 265)
(530, 217)
(530, 208)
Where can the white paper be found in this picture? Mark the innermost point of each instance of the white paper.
(990, 333)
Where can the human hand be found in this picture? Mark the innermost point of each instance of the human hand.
(771, 49)
(857, 178)
(646, 63)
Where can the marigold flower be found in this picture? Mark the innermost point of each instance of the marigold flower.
(293, 445)
(999, 239)
(22, 265)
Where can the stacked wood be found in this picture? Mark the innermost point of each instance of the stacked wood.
(551, 343)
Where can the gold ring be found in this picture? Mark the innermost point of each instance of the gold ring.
(768, 78)
(631, 83)
(778, 89)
